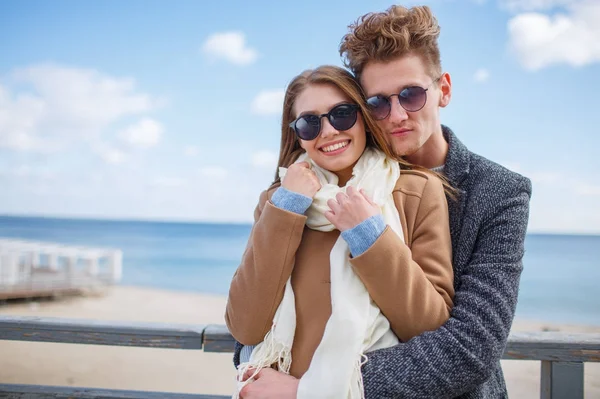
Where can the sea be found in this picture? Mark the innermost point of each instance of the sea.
(560, 281)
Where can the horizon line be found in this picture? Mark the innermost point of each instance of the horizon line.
(219, 222)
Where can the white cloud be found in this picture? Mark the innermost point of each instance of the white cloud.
(550, 178)
(573, 211)
(169, 182)
(572, 38)
(18, 120)
(22, 141)
(217, 194)
(191, 151)
(29, 173)
(534, 5)
(537, 177)
(481, 75)
(230, 46)
(111, 155)
(52, 106)
(84, 98)
(268, 102)
(588, 190)
(213, 172)
(264, 158)
(144, 134)
(140, 195)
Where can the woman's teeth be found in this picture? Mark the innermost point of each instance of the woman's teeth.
(335, 146)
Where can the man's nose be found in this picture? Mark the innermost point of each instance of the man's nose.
(397, 112)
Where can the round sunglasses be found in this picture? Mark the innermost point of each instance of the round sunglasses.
(412, 99)
(341, 117)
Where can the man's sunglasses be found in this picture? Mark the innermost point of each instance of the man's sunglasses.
(412, 99)
(341, 117)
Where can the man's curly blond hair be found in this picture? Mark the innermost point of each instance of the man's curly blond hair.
(384, 36)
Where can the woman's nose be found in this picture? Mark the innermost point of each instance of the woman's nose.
(327, 130)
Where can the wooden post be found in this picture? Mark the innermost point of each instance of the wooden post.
(3, 268)
(10, 267)
(561, 380)
(27, 265)
(52, 260)
(115, 260)
(34, 258)
(71, 261)
(91, 262)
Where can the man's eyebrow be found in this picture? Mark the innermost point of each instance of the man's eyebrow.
(397, 90)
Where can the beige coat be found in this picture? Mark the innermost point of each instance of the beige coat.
(411, 283)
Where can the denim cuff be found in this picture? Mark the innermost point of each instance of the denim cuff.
(291, 201)
(363, 235)
(246, 352)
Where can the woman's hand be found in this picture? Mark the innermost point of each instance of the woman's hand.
(350, 209)
(301, 179)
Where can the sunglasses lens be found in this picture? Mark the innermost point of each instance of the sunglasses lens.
(379, 107)
(308, 127)
(343, 117)
(413, 98)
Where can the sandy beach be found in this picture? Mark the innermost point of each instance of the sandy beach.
(177, 370)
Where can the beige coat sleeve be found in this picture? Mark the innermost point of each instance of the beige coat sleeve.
(258, 284)
(413, 286)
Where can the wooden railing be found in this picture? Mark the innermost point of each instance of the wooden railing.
(562, 355)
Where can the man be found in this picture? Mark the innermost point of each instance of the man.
(396, 57)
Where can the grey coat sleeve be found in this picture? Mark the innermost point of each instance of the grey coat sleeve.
(462, 354)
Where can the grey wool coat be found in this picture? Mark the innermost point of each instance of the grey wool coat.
(461, 359)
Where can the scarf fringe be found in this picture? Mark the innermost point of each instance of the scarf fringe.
(269, 352)
(358, 369)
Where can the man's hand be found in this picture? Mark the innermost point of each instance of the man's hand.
(300, 179)
(350, 209)
(269, 384)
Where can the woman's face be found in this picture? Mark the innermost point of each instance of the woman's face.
(333, 150)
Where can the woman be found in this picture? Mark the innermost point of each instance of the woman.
(314, 301)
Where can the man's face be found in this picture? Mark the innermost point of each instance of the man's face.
(407, 132)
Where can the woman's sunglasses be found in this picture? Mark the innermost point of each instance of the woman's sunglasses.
(412, 99)
(341, 117)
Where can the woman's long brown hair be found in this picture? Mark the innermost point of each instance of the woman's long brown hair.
(290, 148)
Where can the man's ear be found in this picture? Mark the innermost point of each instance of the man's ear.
(446, 89)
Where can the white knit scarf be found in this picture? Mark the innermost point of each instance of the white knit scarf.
(356, 324)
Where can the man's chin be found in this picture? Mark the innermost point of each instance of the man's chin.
(404, 150)
(402, 146)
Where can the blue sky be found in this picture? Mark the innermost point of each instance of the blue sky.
(170, 110)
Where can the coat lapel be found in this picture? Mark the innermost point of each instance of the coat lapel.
(456, 170)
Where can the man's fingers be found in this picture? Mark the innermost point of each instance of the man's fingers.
(264, 373)
(341, 197)
(333, 205)
(244, 391)
(351, 191)
(329, 216)
(248, 373)
(260, 374)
